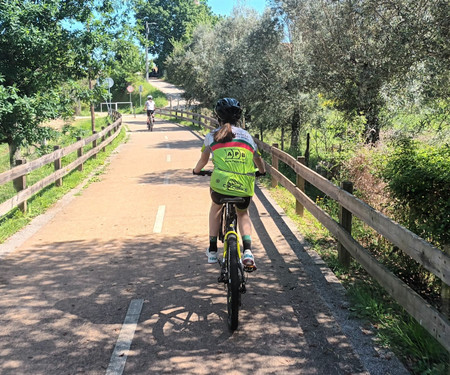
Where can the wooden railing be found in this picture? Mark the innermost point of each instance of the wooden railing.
(431, 258)
(18, 174)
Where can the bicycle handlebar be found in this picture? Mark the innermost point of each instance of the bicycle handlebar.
(209, 172)
(203, 173)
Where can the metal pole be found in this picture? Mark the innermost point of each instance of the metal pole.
(146, 51)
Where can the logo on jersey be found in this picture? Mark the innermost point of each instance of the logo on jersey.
(234, 185)
(235, 155)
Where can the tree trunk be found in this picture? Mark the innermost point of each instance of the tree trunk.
(92, 107)
(372, 131)
(14, 154)
(307, 150)
(295, 129)
(78, 108)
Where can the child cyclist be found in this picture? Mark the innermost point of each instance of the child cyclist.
(234, 155)
(150, 107)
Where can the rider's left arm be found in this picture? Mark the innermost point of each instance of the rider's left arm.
(259, 163)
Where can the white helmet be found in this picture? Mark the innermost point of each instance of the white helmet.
(149, 97)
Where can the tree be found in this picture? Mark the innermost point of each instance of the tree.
(126, 59)
(35, 59)
(104, 28)
(170, 21)
(43, 47)
(357, 47)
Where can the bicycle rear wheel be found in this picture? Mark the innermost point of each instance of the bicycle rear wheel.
(150, 123)
(233, 294)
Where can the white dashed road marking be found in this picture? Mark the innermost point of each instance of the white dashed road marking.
(120, 354)
(159, 219)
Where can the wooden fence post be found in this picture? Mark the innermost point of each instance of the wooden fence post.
(80, 154)
(345, 219)
(307, 150)
(20, 183)
(274, 166)
(445, 292)
(103, 139)
(58, 165)
(94, 145)
(300, 183)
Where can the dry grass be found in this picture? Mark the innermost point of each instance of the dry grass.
(363, 171)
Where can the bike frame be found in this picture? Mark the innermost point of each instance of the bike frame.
(225, 244)
(228, 225)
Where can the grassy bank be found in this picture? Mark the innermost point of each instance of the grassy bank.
(393, 326)
(16, 220)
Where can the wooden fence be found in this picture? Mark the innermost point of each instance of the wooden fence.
(431, 258)
(18, 174)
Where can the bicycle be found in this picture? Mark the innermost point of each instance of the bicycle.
(232, 270)
(150, 122)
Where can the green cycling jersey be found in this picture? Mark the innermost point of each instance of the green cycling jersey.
(234, 169)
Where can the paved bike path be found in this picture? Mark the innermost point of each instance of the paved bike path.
(137, 234)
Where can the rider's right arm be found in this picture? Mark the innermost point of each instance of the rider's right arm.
(204, 158)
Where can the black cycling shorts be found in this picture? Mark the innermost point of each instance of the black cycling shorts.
(150, 112)
(216, 197)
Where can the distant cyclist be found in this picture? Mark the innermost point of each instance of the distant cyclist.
(150, 107)
(234, 155)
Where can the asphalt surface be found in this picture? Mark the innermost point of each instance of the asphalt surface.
(114, 280)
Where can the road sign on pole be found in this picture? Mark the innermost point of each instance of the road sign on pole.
(109, 82)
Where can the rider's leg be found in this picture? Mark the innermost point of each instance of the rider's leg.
(245, 227)
(214, 225)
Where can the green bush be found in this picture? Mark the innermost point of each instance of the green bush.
(418, 177)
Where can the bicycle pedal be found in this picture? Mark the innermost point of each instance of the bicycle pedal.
(250, 269)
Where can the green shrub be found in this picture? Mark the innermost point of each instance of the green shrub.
(418, 177)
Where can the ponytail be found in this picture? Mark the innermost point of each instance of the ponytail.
(224, 134)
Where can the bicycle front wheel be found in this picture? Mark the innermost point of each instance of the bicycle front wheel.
(233, 283)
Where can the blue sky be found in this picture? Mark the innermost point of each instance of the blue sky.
(224, 7)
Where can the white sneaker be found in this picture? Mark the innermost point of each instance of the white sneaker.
(248, 260)
(212, 256)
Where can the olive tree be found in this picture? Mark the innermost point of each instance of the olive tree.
(357, 47)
